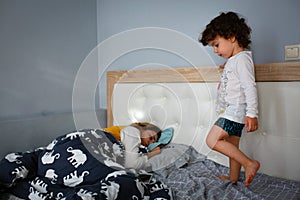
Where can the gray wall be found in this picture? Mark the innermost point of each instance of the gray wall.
(274, 23)
(43, 43)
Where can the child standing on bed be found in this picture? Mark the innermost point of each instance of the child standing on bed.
(237, 101)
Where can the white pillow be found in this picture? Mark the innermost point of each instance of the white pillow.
(171, 154)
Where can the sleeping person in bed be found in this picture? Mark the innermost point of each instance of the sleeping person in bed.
(237, 100)
(132, 137)
(80, 162)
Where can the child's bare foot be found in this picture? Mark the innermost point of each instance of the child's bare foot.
(223, 177)
(250, 172)
(226, 178)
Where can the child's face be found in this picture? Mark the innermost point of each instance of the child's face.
(224, 47)
(148, 137)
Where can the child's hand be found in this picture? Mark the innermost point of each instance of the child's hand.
(154, 152)
(251, 124)
(221, 68)
(156, 148)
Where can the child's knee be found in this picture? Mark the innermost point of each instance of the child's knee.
(210, 142)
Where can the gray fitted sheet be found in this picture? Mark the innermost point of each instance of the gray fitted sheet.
(198, 179)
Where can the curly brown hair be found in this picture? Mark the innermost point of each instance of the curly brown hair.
(142, 126)
(227, 25)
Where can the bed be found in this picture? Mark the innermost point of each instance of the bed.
(184, 98)
(177, 98)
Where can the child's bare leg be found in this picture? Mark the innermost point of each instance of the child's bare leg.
(235, 167)
(215, 140)
(234, 173)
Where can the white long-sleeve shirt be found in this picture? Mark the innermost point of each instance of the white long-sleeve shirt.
(131, 139)
(237, 94)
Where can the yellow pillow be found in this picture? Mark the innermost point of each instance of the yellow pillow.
(115, 131)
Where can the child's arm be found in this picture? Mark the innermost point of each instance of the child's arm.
(154, 152)
(130, 137)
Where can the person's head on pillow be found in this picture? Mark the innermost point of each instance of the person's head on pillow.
(149, 132)
(165, 138)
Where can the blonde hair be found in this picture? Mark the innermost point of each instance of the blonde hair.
(142, 126)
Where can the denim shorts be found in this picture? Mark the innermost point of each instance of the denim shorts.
(231, 127)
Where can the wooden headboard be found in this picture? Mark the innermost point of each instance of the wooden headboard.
(270, 72)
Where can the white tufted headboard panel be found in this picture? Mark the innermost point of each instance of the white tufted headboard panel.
(188, 106)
